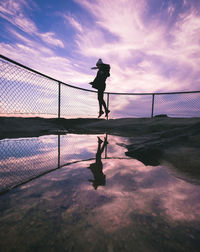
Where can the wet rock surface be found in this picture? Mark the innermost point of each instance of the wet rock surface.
(152, 148)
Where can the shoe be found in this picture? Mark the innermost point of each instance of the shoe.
(99, 140)
(107, 112)
(100, 113)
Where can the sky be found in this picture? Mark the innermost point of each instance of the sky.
(151, 45)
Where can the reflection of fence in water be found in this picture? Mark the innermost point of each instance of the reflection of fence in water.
(28, 158)
(23, 159)
(26, 91)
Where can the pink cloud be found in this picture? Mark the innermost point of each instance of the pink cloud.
(150, 38)
(72, 20)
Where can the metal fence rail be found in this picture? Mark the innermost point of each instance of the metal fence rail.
(28, 92)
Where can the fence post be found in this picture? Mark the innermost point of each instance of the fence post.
(59, 84)
(58, 150)
(107, 104)
(106, 147)
(152, 109)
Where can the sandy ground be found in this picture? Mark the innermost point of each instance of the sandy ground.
(152, 140)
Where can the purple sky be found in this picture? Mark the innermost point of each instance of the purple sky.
(151, 45)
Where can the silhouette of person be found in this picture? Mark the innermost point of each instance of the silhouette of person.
(100, 84)
(97, 167)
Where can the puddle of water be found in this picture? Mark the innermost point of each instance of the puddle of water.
(102, 201)
(26, 158)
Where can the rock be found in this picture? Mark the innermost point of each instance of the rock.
(161, 115)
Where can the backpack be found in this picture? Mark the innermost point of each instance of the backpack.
(103, 73)
(105, 68)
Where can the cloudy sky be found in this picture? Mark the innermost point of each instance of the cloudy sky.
(151, 45)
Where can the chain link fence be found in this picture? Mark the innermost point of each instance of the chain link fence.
(25, 92)
(178, 105)
(28, 92)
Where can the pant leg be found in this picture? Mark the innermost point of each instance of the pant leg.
(100, 95)
(101, 100)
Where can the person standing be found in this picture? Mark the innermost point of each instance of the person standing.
(99, 83)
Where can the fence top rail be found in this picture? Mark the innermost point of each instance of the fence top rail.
(44, 75)
(88, 90)
(165, 93)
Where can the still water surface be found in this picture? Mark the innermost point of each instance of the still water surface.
(81, 193)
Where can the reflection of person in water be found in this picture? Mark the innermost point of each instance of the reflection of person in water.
(97, 167)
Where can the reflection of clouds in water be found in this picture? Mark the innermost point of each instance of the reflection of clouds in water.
(77, 147)
(136, 202)
(50, 139)
(148, 190)
(113, 148)
(77, 143)
(135, 188)
(130, 186)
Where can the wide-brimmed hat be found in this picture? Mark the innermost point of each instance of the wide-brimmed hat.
(99, 62)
